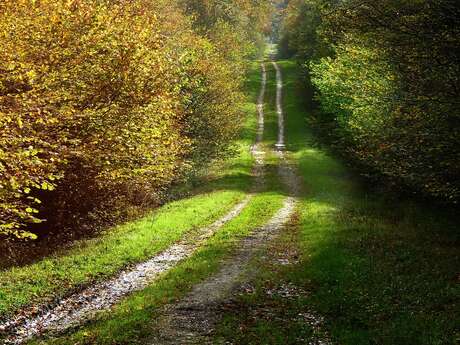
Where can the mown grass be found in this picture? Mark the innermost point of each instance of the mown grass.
(379, 269)
(102, 257)
(96, 259)
(133, 320)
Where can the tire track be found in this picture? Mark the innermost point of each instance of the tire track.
(293, 182)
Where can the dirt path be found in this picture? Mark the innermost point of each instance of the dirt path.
(83, 306)
(256, 150)
(192, 320)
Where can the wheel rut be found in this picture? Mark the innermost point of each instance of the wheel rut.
(83, 306)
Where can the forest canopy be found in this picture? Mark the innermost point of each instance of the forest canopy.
(386, 74)
(105, 104)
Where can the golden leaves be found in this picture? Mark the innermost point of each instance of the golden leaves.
(100, 96)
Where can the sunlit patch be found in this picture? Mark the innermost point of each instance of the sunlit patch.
(321, 207)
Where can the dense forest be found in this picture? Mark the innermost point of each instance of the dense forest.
(386, 75)
(106, 104)
(229, 172)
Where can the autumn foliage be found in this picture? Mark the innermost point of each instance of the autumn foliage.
(105, 104)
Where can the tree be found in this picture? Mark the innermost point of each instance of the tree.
(391, 81)
(105, 104)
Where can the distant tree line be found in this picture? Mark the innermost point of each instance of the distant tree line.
(105, 104)
(387, 75)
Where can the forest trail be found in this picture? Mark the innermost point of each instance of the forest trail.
(298, 245)
(81, 307)
(229, 172)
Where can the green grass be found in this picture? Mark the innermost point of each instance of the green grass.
(96, 259)
(379, 269)
(133, 320)
(102, 257)
(271, 117)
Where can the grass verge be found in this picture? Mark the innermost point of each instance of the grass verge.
(380, 270)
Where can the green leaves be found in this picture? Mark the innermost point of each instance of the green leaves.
(390, 80)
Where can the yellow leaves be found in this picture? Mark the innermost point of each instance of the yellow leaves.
(11, 66)
(25, 235)
(47, 186)
(109, 95)
(31, 75)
